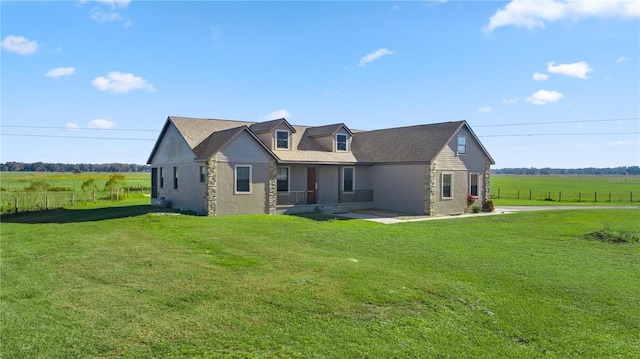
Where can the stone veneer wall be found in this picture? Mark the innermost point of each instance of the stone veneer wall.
(273, 187)
(430, 189)
(487, 180)
(212, 186)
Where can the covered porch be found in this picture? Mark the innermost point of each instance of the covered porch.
(307, 186)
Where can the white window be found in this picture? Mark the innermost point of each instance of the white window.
(473, 184)
(446, 185)
(282, 140)
(175, 177)
(203, 173)
(243, 179)
(341, 142)
(348, 179)
(462, 145)
(283, 179)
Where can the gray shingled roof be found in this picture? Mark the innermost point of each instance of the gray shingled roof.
(403, 144)
(327, 130)
(269, 126)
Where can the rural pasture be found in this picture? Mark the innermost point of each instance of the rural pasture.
(126, 281)
(563, 190)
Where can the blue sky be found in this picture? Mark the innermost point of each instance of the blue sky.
(534, 79)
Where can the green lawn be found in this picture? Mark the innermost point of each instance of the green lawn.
(565, 190)
(145, 284)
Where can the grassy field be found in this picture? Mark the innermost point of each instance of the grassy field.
(63, 188)
(129, 282)
(562, 190)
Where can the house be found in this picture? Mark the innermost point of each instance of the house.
(223, 167)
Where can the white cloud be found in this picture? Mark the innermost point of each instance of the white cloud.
(374, 55)
(543, 97)
(484, 109)
(622, 59)
(100, 123)
(19, 44)
(511, 100)
(115, 3)
(540, 77)
(60, 71)
(120, 83)
(535, 14)
(72, 126)
(282, 113)
(102, 16)
(576, 69)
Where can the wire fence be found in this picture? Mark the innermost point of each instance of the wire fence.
(26, 201)
(569, 196)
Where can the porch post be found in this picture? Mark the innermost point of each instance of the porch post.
(273, 187)
(212, 186)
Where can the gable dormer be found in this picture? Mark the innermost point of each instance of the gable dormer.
(334, 138)
(275, 134)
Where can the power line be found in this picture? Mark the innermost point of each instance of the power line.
(81, 137)
(562, 134)
(80, 128)
(556, 122)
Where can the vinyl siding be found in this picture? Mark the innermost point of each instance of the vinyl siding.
(398, 187)
(328, 178)
(448, 159)
(243, 148)
(172, 152)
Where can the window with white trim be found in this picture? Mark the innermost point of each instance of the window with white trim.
(161, 177)
(282, 140)
(473, 184)
(341, 142)
(447, 185)
(462, 145)
(283, 179)
(348, 179)
(242, 182)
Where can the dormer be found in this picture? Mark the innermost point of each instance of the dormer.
(275, 134)
(334, 138)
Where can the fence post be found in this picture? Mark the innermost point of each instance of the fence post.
(529, 195)
(560, 196)
(127, 192)
(549, 198)
(111, 194)
(579, 195)
(46, 201)
(16, 204)
(498, 192)
(595, 197)
(630, 196)
(518, 194)
(73, 198)
(609, 196)
(94, 196)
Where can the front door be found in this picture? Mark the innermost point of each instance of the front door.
(311, 185)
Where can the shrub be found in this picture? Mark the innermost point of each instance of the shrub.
(89, 185)
(488, 206)
(37, 186)
(606, 234)
(476, 209)
(115, 181)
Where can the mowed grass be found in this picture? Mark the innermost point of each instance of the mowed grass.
(145, 284)
(565, 190)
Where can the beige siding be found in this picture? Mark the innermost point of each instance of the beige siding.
(243, 148)
(398, 187)
(245, 151)
(298, 178)
(172, 152)
(328, 178)
(473, 161)
(460, 188)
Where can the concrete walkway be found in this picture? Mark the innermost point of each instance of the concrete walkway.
(390, 218)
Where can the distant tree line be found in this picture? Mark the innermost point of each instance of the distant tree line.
(76, 168)
(623, 171)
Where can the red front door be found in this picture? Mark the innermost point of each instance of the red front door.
(311, 185)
